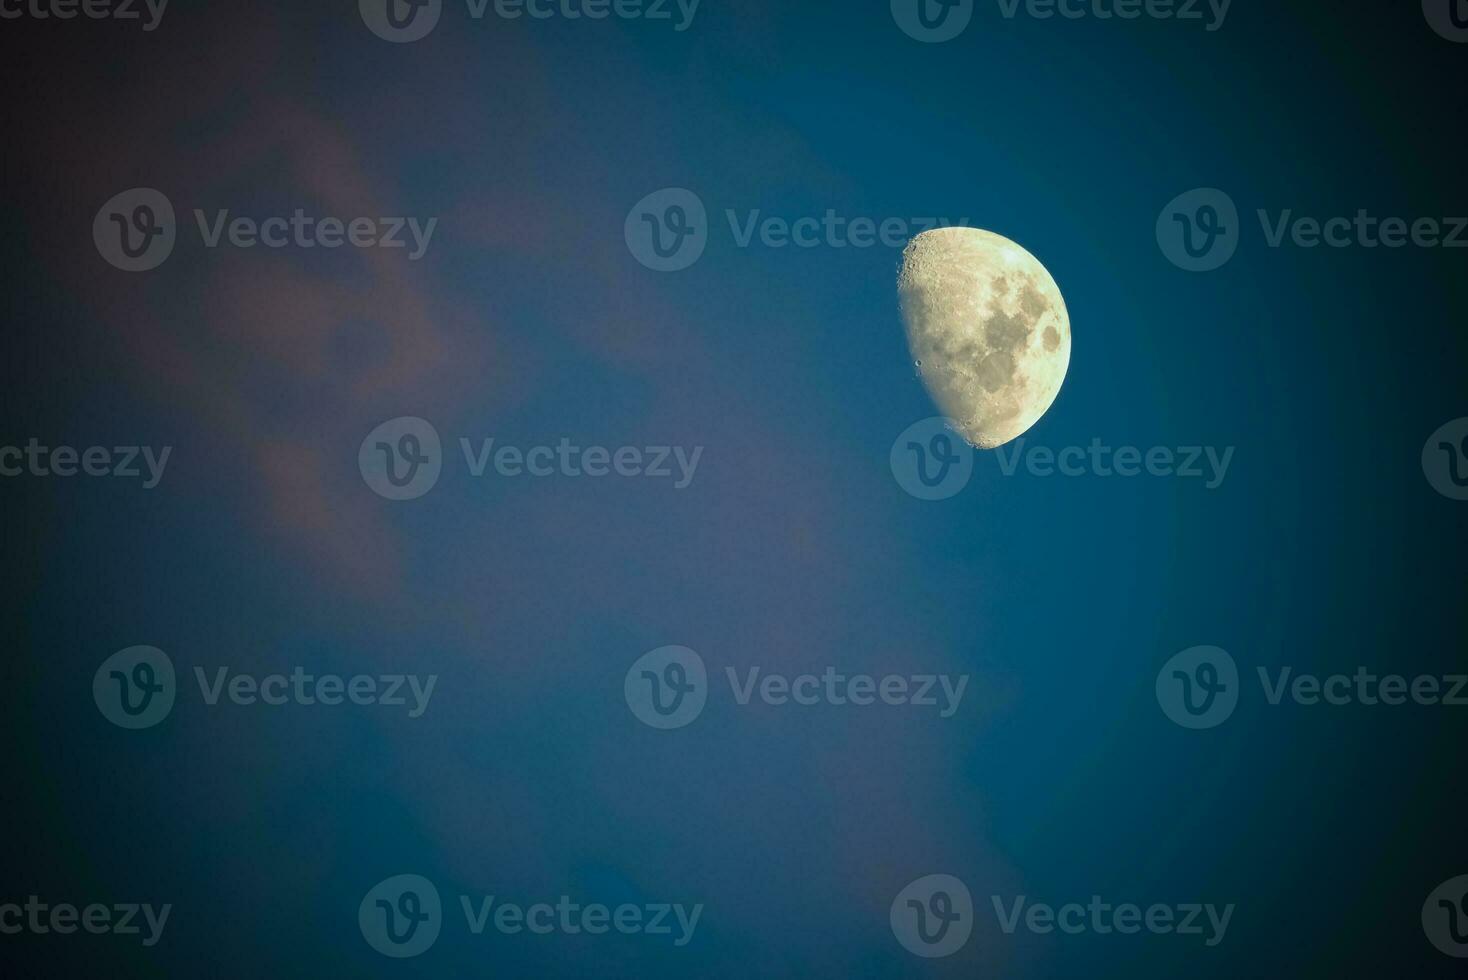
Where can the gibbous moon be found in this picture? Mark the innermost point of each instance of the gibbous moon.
(988, 329)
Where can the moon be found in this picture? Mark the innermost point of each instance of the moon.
(988, 329)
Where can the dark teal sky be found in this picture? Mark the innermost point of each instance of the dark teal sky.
(794, 549)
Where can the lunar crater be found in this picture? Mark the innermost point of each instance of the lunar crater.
(989, 326)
